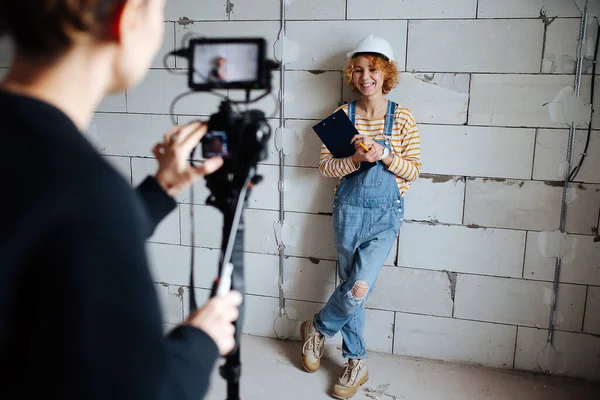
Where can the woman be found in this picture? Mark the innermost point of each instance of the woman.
(368, 207)
(79, 317)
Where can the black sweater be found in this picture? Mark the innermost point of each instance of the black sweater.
(79, 316)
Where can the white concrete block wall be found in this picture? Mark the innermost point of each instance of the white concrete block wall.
(470, 278)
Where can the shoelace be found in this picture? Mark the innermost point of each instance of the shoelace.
(352, 370)
(314, 344)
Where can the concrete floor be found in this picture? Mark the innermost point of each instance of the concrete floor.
(271, 370)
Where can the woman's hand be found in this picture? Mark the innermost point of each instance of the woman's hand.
(374, 153)
(174, 170)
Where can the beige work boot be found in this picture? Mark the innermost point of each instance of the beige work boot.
(354, 374)
(312, 347)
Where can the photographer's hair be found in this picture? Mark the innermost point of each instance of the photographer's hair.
(379, 62)
(46, 27)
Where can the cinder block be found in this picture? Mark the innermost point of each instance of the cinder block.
(551, 155)
(467, 46)
(511, 204)
(260, 231)
(167, 46)
(592, 311)
(170, 264)
(379, 331)
(434, 98)
(411, 9)
(208, 226)
(266, 194)
(517, 302)
(579, 263)
(269, 30)
(6, 52)
(295, 10)
(260, 315)
(196, 11)
(301, 145)
(309, 279)
(128, 134)
(338, 38)
(307, 191)
(435, 198)
(454, 340)
(574, 354)
(526, 9)
(596, 115)
(309, 235)
(259, 234)
(462, 249)
(202, 296)
(477, 151)
(560, 50)
(160, 88)
(310, 95)
(261, 274)
(412, 290)
(167, 230)
(583, 209)
(249, 10)
(519, 100)
(122, 165)
(113, 103)
(171, 302)
(315, 9)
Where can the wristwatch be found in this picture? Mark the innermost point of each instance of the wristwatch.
(386, 152)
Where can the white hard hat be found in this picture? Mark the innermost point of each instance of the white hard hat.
(373, 44)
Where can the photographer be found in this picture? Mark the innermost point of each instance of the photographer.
(79, 317)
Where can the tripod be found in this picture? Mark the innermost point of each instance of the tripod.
(230, 187)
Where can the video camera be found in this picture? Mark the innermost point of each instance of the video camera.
(232, 64)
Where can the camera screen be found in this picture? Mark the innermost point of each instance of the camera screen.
(214, 144)
(221, 64)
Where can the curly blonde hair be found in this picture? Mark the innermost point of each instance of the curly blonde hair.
(389, 69)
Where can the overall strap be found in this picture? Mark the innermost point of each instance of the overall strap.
(389, 119)
(352, 112)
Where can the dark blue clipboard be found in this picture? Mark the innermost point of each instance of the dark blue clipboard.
(335, 132)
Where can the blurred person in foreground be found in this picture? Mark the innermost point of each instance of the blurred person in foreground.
(79, 316)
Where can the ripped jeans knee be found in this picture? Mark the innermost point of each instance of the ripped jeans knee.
(357, 294)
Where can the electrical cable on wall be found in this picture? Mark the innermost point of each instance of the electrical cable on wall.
(549, 356)
(577, 168)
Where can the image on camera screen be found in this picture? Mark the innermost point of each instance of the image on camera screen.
(214, 144)
(225, 63)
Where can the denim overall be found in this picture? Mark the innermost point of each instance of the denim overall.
(367, 213)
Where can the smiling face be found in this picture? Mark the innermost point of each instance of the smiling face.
(371, 75)
(367, 78)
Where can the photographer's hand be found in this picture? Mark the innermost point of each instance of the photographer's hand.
(174, 171)
(216, 318)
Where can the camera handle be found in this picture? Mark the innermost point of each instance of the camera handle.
(231, 204)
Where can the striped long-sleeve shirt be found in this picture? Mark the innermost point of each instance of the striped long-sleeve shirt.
(405, 143)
